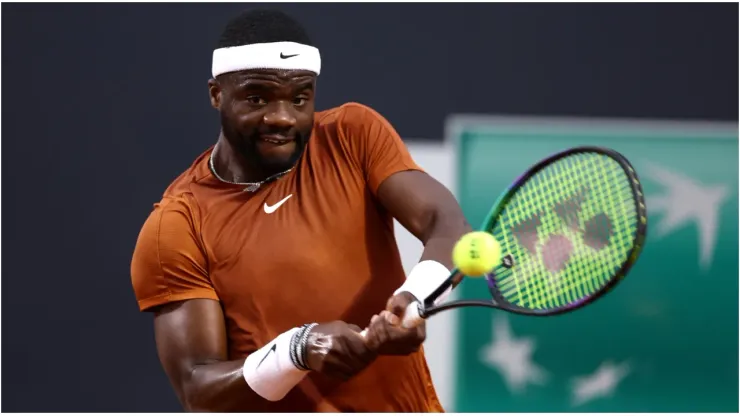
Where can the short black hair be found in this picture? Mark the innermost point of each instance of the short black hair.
(262, 26)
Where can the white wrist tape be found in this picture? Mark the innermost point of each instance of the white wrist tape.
(425, 278)
(273, 55)
(270, 372)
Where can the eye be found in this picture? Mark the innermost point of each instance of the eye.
(256, 100)
(299, 101)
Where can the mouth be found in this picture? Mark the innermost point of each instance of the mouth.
(276, 138)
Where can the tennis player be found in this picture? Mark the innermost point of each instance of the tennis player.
(266, 258)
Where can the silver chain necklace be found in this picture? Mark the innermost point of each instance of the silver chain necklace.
(250, 186)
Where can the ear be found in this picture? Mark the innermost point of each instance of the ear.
(214, 91)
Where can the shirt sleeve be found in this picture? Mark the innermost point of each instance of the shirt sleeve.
(169, 262)
(375, 144)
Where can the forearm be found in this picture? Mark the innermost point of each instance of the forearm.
(435, 265)
(249, 385)
(431, 213)
(220, 387)
(445, 227)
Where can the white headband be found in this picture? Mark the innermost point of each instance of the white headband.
(275, 55)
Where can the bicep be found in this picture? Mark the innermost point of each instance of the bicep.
(188, 334)
(375, 144)
(170, 277)
(411, 196)
(418, 202)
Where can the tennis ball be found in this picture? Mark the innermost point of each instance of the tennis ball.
(476, 254)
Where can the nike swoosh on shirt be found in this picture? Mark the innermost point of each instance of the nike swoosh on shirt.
(272, 208)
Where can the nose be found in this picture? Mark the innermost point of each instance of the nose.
(280, 115)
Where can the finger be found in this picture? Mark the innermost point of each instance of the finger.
(419, 337)
(359, 354)
(377, 334)
(365, 331)
(382, 326)
(391, 318)
(398, 303)
(354, 327)
(395, 329)
(421, 330)
(418, 334)
(402, 337)
(325, 406)
(406, 340)
(349, 361)
(399, 340)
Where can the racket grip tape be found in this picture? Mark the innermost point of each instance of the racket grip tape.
(412, 317)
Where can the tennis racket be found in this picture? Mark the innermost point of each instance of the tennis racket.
(570, 229)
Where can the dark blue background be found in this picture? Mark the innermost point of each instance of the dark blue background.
(103, 105)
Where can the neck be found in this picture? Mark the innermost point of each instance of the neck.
(231, 165)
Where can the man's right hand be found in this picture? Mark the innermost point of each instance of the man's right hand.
(338, 350)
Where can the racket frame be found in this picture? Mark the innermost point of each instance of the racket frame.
(427, 307)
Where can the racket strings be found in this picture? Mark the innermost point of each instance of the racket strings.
(580, 270)
(570, 228)
(588, 286)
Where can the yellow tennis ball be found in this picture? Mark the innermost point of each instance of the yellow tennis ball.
(476, 254)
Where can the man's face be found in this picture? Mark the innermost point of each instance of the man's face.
(266, 115)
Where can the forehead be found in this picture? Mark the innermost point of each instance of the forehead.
(279, 76)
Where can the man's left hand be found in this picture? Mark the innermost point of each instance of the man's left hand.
(386, 336)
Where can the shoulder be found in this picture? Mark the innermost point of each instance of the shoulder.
(179, 196)
(350, 116)
(171, 221)
(196, 173)
(177, 213)
(168, 255)
(169, 262)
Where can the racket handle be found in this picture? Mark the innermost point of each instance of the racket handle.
(411, 317)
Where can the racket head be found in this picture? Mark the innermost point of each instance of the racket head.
(585, 200)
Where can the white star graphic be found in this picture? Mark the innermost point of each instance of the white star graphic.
(512, 357)
(687, 201)
(599, 384)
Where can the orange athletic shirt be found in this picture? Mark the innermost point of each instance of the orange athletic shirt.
(327, 253)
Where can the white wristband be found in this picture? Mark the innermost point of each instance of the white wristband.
(270, 372)
(424, 279)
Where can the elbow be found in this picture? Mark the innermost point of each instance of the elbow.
(447, 223)
(190, 407)
(193, 402)
(189, 392)
(205, 390)
(458, 223)
(189, 399)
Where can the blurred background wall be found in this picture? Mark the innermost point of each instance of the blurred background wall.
(105, 104)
